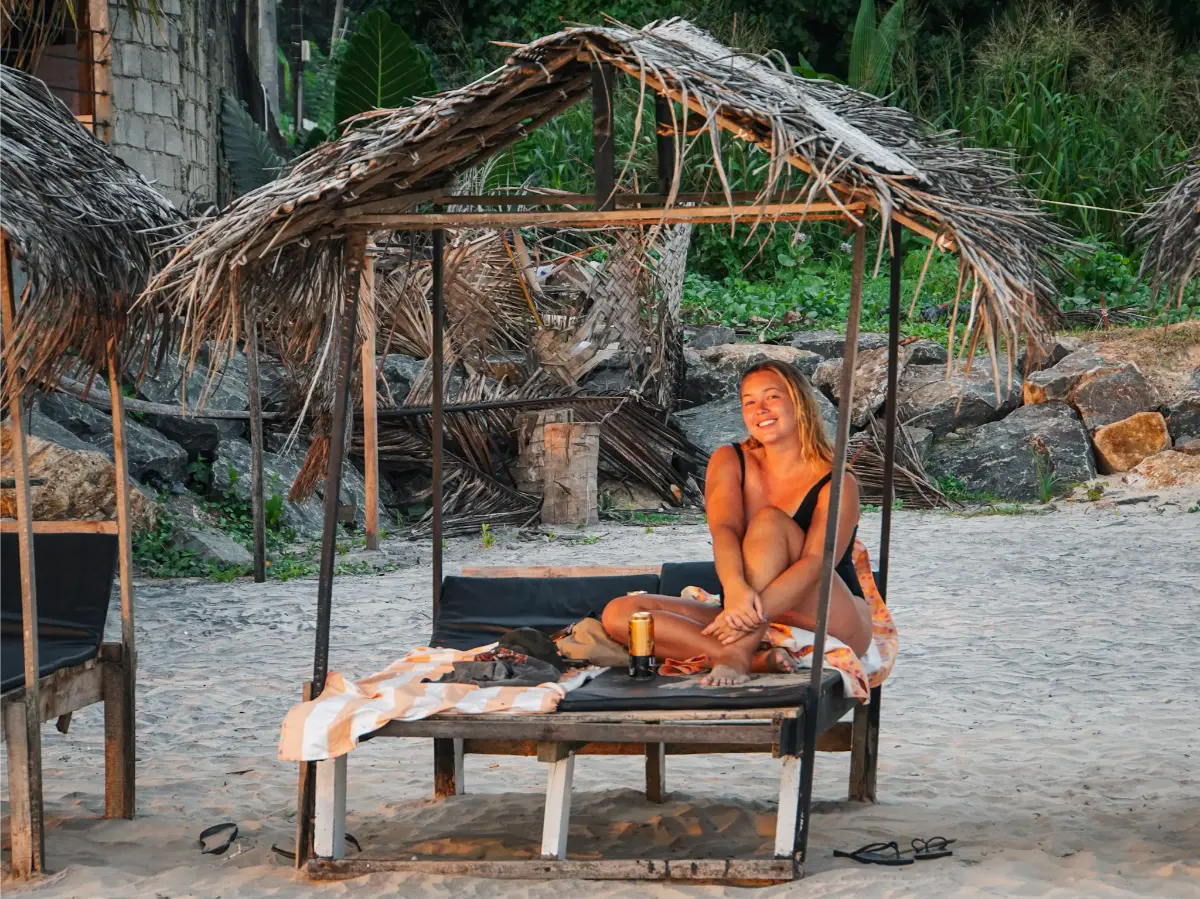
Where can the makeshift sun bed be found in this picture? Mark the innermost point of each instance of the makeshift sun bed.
(274, 254)
(81, 224)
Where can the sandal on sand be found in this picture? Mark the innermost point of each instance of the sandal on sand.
(934, 847)
(291, 856)
(212, 832)
(877, 854)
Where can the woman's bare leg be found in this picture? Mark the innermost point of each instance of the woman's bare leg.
(678, 624)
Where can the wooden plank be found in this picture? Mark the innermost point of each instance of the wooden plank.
(416, 221)
(836, 739)
(120, 785)
(66, 690)
(557, 819)
(570, 492)
(770, 716)
(120, 747)
(26, 819)
(564, 198)
(546, 729)
(656, 772)
(742, 872)
(101, 40)
(789, 807)
(448, 767)
(9, 526)
(329, 830)
(370, 405)
(547, 571)
(529, 748)
(864, 754)
(258, 504)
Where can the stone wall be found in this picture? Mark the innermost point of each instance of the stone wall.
(166, 81)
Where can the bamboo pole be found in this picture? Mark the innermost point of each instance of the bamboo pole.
(370, 405)
(26, 820)
(121, 779)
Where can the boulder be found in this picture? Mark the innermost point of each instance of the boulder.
(1188, 445)
(153, 459)
(399, 373)
(719, 422)
(832, 344)
(1183, 415)
(1123, 444)
(927, 352)
(921, 440)
(77, 484)
(1059, 382)
(196, 391)
(870, 381)
(624, 497)
(212, 546)
(1112, 396)
(928, 399)
(1003, 458)
(1037, 358)
(1167, 469)
(710, 336)
(714, 373)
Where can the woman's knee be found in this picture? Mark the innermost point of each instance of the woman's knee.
(615, 617)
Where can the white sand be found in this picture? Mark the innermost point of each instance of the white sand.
(1045, 711)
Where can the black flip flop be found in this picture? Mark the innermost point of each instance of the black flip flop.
(934, 847)
(291, 856)
(212, 832)
(877, 854)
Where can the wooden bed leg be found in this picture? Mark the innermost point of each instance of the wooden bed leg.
(557, 819)
(25, 834)
(864, 748)
(448, 767)
(119, 742)
(789, 807)
(656, 772)
(329, 831)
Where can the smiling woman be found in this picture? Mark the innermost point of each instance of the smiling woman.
(767, 504)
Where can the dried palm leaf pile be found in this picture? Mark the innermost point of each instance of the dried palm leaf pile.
(831, 151)
(1171, 229)
(86, 230)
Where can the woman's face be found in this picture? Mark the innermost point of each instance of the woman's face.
(767, 407)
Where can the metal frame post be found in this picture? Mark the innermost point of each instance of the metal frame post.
(602, 136)
(370, 407)
(439, 327)
(258, 504)
(812, 706)
(891, 411)
(664, 120)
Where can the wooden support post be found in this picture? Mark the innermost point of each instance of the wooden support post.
(570, 491)
(258, 505)
(864, 748)
(101, 58)
(557, 818)
(656, 772)
(603, 161)
(448, 767)
(120, 795)
(370, 407)
(119, 740)
(329, 831)
(24, 727)
(789, 805)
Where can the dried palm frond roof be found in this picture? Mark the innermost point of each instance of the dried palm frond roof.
(849, 146)
(1171, 230)
(83, 225)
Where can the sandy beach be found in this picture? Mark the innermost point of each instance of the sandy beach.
(1044, 711)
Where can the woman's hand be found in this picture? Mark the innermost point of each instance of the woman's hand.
(742, 614)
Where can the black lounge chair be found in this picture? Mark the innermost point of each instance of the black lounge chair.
(74, 577)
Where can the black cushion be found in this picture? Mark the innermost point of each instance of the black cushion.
(678, 575)
(474, 611)
(74, 578)
(615, 690)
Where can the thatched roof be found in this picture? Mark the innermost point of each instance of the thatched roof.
(83, 225)
(1171, 230)
(829, 140)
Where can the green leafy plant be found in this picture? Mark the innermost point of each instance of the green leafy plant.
(486, 536)
(873, 47)
(382, 69)
(1048, 485)
(251, 159)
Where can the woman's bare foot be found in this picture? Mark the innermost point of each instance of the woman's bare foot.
(780, 661)
(724, 676)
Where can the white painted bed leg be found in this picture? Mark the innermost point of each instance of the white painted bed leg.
(558, 807)
(789, 806)
(329, 837)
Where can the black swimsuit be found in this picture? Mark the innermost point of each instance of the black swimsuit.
(803, 517)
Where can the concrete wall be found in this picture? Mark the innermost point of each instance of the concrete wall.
(166, 81)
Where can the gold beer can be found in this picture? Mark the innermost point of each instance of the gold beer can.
(641, 646)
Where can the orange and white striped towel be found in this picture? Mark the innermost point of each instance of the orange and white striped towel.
(332, 724)
(859, 673)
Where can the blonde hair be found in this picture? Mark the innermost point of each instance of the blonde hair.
(809, 427)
